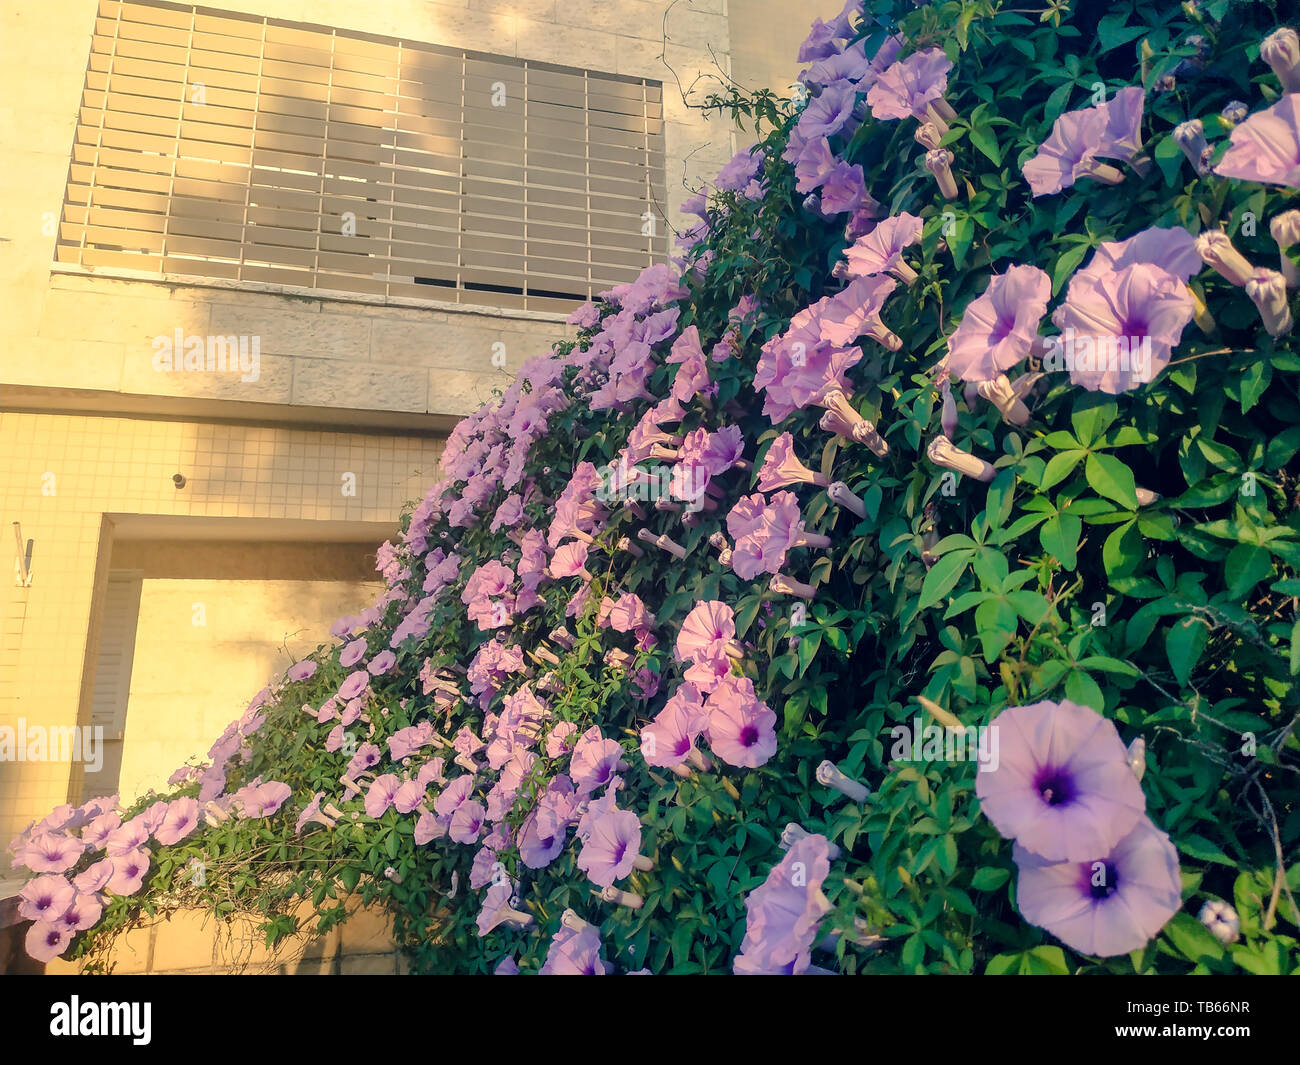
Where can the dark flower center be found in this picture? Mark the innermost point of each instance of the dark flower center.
(748, 736)
(1101, 879)
(1055, 786)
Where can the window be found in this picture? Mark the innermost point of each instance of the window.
(218, 145)
(112, 684)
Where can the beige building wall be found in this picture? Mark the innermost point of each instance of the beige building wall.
(78, 484)
(765, 36)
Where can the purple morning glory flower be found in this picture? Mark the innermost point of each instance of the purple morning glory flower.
(352, 653)
(782, 913)
(382, 663)
(610, 847)
(303, 670)
(181, 819)
(998, 327)
(575, 953)
(45, 898)
(354, 685)
(381, 794)
(1062, 787)
(1113, 903)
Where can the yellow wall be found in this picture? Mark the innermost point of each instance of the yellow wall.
(78, 482)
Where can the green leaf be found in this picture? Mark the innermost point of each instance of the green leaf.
(943, 575)
(1112, 32)
(986, 141)
(1059, 467)
(1059, 536)
(1091, 417)
(1184, 644)
(1111, 478)
(1065, 265)
(1246, 566)
(989, 878)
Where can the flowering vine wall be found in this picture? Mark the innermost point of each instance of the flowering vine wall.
(902, 580)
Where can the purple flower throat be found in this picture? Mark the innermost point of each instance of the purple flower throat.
(1055, 785)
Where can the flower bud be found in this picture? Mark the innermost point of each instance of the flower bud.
(831, 777)
(1281, 51)
(1267, 290)
(948, 417)
(1000, 394)
(1190, 137)
(943, 452)
(841, 496)
(1221, 921)
(629, 899)
(1216, 249)
(939, 162)
(1234, 112)
(1285, 229)
(928, 136)
(794, 832)
(1137, 757)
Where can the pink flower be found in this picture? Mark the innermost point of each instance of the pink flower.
(128, 872)
(881, 250)
(741, 728)
(575, 953)
(630, 615)
(910, 86)
(182, 818)
(669, 739)
(764, 531)
(381, 794)
(1062, 786)
(595, 761)
(784, 912)
(558, 741)
(263, 800)
(705, 631)
(855, 312)
(1123, 327)
(85, 912)
(570, 560)
(782, 468)
(576, 511)
(44, 941)
(1266, 147)
(1112, 903)
(611, 846)
(1111, 130)
(382, 663)
(51, 852)
(1172, 249)
(467, 822)
(998, 327)
(45, 898)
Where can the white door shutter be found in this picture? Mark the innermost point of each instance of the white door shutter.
(116, 651)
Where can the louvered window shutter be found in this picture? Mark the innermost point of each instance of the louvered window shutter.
(218, 145)
(116, 651)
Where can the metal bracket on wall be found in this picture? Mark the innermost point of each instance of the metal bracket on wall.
(23, 562)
